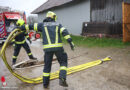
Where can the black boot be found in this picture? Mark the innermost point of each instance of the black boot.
(13, 62)
(33, 58)
(63, 82)
(46, 86)
(46, 82)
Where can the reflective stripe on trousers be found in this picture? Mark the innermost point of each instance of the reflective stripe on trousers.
(63, 68)
(46, 74)
(14, 57)
(29, 54)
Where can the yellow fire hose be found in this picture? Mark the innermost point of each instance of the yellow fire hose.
(53, 75)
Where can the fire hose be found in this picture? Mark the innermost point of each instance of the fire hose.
(53, 75)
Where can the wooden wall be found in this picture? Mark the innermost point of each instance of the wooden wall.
(105, 17)
(106, 11)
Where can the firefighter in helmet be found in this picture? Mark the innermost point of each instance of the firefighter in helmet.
(52, 45)
(20, 41)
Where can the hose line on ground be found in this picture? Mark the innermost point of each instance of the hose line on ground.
(54, 75)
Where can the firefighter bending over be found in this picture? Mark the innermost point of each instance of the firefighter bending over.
(52, 44)
(20, 41)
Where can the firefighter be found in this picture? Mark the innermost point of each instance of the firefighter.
(20, 41)
(52, 44)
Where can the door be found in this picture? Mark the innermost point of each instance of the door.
(126, 22)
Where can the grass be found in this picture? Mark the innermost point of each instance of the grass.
(98, 42)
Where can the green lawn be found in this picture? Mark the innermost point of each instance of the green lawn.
(98, 42)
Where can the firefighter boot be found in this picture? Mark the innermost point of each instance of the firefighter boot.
(46, 82)
(33, 58)
(46, 86)
(13, 62)
(63, 82)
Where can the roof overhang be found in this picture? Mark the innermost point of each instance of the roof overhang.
(50, 4)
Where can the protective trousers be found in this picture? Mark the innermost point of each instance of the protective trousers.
(62, 59)
(17, 50)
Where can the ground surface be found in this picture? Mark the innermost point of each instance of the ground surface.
(112, 75)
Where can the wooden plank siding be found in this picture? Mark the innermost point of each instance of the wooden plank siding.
(106, 11)
(105, 14)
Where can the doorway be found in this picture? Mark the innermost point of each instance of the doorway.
(126, 21)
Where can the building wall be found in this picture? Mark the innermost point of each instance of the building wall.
(71, 15)
(108, 11)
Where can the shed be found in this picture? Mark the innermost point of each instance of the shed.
(89, 17)
(71, 13)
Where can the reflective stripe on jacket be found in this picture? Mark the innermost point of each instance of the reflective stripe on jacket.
(20, 42)
(20, 39)
(51, 34)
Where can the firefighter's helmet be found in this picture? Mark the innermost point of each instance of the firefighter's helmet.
(51, 15)
(20, 22)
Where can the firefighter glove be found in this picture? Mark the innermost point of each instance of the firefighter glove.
(13, 45)
(72, 46)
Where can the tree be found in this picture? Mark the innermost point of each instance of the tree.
(4, 9)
